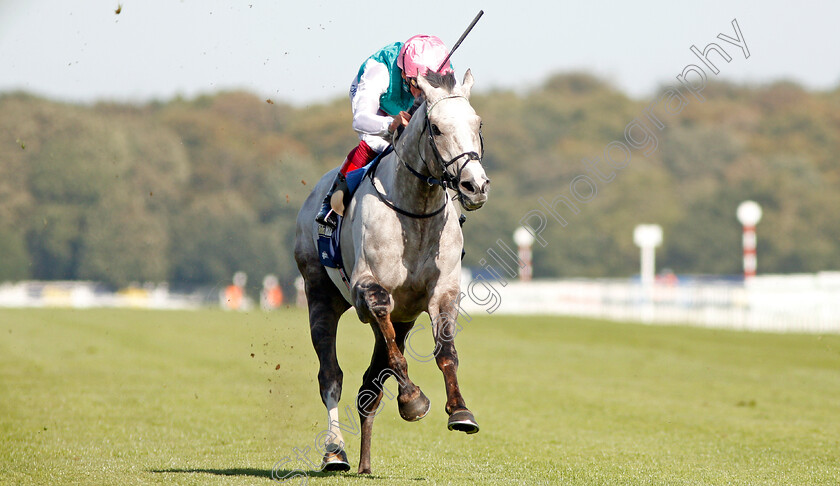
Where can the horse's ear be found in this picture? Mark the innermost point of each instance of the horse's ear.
(425, 87)
(466, 86)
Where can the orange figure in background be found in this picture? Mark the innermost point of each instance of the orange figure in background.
(233, 296)
(271, 296)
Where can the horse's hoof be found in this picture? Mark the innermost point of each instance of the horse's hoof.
(415, 409)
(463, 421)
(335, 459)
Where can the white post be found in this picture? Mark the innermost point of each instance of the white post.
(647, 237)
(749, 214)
(524, 239)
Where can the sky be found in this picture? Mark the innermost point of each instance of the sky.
(308, 52)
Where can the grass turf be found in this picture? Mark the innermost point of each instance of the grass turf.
(141, 397)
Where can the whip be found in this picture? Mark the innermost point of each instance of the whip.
(463, 36)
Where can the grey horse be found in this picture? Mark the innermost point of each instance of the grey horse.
(401, 243)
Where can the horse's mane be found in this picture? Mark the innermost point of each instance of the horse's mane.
(437, 80)
(445, 81)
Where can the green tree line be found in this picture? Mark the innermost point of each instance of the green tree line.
(190, 190)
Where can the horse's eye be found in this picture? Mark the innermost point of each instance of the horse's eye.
(435, 130)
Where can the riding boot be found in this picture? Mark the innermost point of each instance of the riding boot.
(327, 216)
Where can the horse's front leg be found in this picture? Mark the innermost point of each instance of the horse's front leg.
(444, 328)
(373, 304)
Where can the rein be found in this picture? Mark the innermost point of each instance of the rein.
(394, 206)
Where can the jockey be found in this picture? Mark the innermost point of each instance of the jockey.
(380, 96)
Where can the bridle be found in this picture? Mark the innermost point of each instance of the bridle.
(447, 180)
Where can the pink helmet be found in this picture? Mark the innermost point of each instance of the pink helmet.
(422, 53)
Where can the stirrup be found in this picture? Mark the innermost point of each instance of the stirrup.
(327, 217)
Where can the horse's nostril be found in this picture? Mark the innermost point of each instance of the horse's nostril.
(485, 186)
(468, 187)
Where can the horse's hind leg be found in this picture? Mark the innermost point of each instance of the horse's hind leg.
(372, 389)
(373, 304)
(325, 309)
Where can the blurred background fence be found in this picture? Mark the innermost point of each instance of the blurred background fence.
(83, 295)
(779, 303)
(789, 303)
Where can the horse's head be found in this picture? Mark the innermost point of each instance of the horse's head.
(454, 134)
